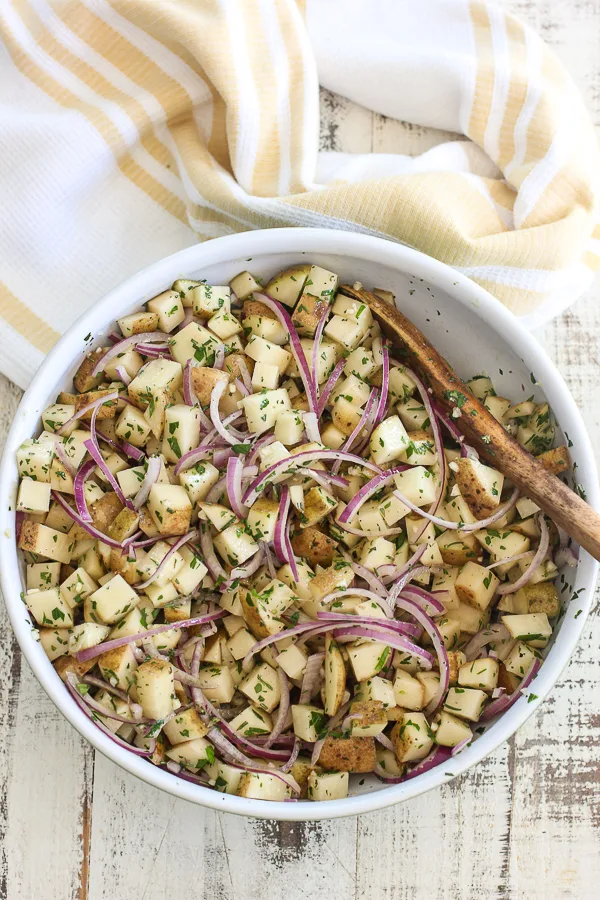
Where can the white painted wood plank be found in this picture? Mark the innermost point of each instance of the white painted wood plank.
(45, 772)
(144, 840)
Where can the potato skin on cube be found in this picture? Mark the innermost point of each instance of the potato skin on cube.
(314, 546)
(353, 754)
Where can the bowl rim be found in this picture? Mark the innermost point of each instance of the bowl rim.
(301, 241)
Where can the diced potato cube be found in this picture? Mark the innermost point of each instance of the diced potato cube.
(198, 481)
(367, 718)
(193, 755)
(217, 683)
(45, 542)
(360, 363)
(481, 673)
(169, 308)
(191, 573)
(41, 576)
(476, 585)
(418, 485)
(411, 737)
(34, 460)
(208, 299)
(451, 731)
(354, 754)
(502, 544)
(262, 687)
(368, 658)
(86, 635)
(288, 284)
(138, 323)
(480, 485)
(326, 357)
(420, 449)
(266, 376)
(34, 496)
(48, 608)
(181, 431)
(224, 325)
(264, 351)
(346, 416)
(261, 410)
(318, 504)
(466, 703)
(408, 691)
(349, 331)
(170, 508)
(327, 785)
(376, 552)
(185, 726)
(132, 426)
(457, 548)
(235, 545)
(450, 630)
(113, 600)
(519, 660)
(243, 285)
(388, 441)
(534, 628)
(262, 519)
(157, 375)
(118, 667)
(55, 642)
(262, 786)
(309, 721)
(292, 660)
(252, 722)
(414, 415)
(77, 587)
(542, 598)
(337, 577)
(289, 427)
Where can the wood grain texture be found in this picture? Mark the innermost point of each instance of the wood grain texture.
(522, 824)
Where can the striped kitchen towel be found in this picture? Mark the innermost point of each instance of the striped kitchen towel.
(133, 128)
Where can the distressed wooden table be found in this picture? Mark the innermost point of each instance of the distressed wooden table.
(523, 824)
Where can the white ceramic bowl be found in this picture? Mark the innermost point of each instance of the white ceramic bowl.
(473, 331)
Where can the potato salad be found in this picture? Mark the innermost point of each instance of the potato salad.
(261, 555)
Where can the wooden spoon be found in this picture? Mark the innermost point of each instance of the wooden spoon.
(502, 451)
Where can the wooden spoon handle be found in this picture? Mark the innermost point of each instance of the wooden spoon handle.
(489, 437)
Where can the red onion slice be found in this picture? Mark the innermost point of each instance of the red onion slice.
(150, 478)
(506, 701)
(79, 489)
(311, 678)
(432, 630)
(245, 375)
(93, 532)
(232, 436)
(367, 491)
(385, 384)
(371, 407)
(330, 385)
(284, 707)
(235, 468)
(497, 632)
(100, 401)
(192, 457)
(92, 449)
(217, 572)
(280, 525)
(296, 461)
(124, 375)
(105, 646)
(437, 756)
(272, 639)
(149, 337)
(540, 553)
(428, 603)
(249, 568)
(295, 346)
(142, 585)
(137, 751)
(315, 356)
(351, 619)
(311, 424)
